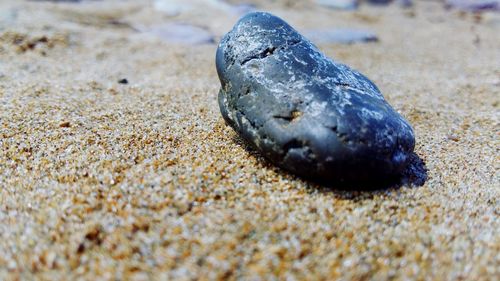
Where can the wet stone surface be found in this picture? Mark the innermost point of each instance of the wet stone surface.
(305, 112)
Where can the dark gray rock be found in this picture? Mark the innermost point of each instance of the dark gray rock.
(303, 111)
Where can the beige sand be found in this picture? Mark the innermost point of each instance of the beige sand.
(145, 181)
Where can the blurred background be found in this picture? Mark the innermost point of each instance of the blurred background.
(204, 21)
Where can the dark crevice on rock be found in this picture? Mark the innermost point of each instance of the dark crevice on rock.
(244, 92)
(252, 123)
(340, 136)
(345, 85)
(286, 118)
(299, 145)
(269, 51)
(294, 143)
(289, 118)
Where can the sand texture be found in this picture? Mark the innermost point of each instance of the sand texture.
(144, 181)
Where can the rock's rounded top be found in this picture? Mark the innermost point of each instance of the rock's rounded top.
(262, 19)
(255, 33)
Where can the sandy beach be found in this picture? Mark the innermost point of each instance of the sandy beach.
(116, 164)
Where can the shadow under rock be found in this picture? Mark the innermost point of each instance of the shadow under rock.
(414, 175)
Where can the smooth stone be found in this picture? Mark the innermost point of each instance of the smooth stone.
(176, 7)
(303, 111)
(8, 18)
(340, 36)
(379, 2)
(401, 3)
(475, 5)
(339, 4)
(405, 3)
(171, 7)
(243, 8)
(181, 33)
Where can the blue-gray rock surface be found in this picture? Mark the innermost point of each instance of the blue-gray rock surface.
(303, 111)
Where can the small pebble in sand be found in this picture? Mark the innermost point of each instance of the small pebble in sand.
(181, 33)
(474, 5)
(170, 8)
(339, 4)
(379, 2)
(340, 36)
(244, 8)
(303, 111)
(176, 7)
(405, 3)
